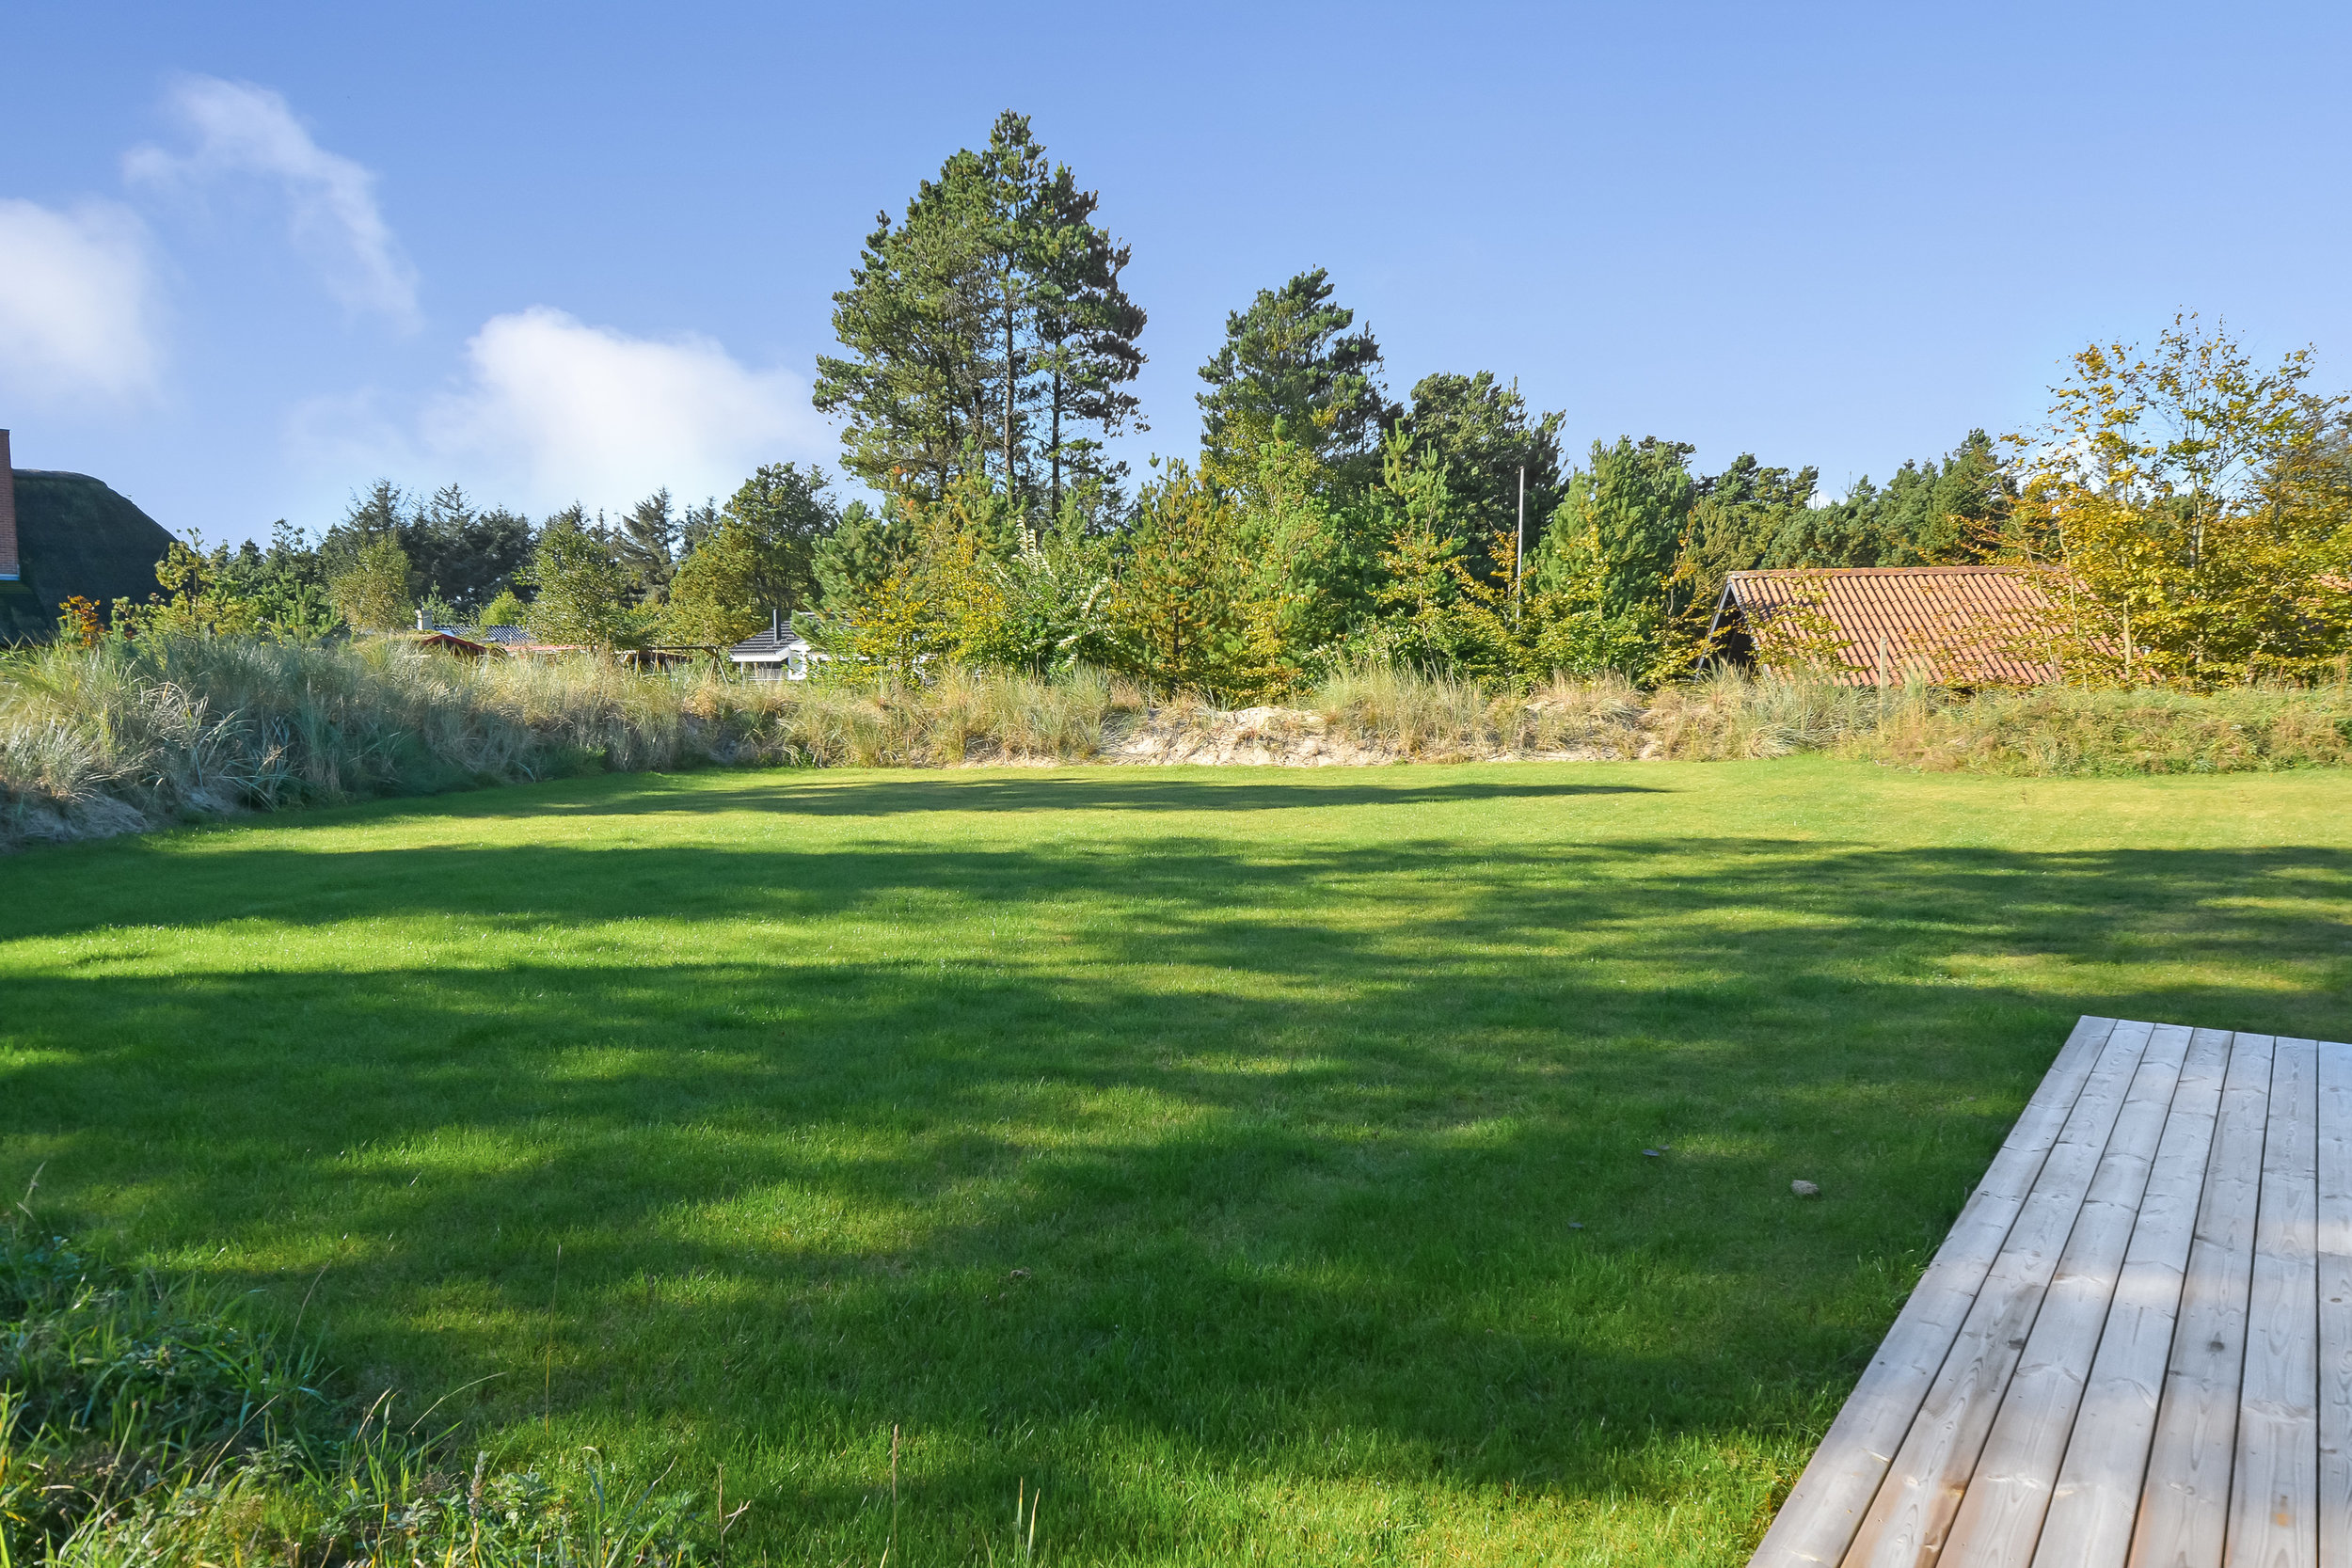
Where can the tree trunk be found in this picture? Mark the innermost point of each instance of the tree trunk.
(1012, 380)
(1055, 517)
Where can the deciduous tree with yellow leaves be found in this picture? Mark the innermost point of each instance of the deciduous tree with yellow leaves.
(2194, 510)
(937, 597)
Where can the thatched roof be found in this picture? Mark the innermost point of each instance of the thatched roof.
(74, 536)
(1879, 625)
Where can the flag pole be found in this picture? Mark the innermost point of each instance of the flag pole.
(1519, 560)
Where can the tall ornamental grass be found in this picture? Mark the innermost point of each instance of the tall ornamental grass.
(1434, 716)
(129, 734)
(132, 735)
(2055, 730)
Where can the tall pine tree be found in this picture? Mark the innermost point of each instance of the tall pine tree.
(1291, 367)
(1479, 430)
(1087, 329)
(987, 331)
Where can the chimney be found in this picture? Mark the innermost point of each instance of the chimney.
(9, 570)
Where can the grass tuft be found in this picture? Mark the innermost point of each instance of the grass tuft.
(151, 1422)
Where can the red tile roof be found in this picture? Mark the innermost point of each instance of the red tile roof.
(1867, 625)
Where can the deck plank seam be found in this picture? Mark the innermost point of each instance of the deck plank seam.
(1799, 1522)
(2245, 1338)
(2223, 1158)
(1892, 1522)
(2106, 1316)
(2211, 1120)
(2281, 1244)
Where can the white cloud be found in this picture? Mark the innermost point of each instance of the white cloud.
(557, 411)
(241, 129)
(351, 436)
(76, 303)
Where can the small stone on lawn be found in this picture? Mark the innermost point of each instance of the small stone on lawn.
(1805, 1189)
(1653, 1153)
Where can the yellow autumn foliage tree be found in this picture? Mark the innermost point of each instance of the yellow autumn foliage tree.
(194, 600)
(2193, 513)
(939, 596)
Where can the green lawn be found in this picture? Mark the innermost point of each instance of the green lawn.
(1208, 1148)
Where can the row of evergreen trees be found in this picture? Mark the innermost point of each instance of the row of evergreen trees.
(989, 347)
(1265, 559)
(988, 352)
(656, 572)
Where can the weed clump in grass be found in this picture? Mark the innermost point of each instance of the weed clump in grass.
(113, 1381)
(153, 1421)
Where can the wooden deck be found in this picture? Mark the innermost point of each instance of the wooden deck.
(2134, 1346)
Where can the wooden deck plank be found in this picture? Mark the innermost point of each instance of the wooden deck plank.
(2000, 1517)
(1817, 1523)
(2274, 1522)
(2184, 1500)
(2157, 1365)
(2334, 1241)
(2097, 1495)
(1907, 1520)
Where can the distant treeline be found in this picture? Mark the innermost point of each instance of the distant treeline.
(2190, 508)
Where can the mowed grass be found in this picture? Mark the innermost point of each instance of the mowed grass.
(1252, 1163)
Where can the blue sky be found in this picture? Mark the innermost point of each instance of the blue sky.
(254, 256)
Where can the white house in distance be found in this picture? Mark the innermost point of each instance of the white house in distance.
(777, 654)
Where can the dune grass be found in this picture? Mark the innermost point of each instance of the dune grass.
(1252, 1164)
(128, 736)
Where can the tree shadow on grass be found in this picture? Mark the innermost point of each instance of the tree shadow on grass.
(826, 793)
(1233, 1153)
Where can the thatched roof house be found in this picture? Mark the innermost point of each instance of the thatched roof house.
(66, 534)
(1883, 625)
